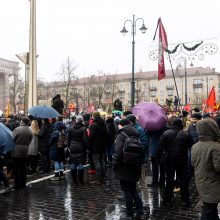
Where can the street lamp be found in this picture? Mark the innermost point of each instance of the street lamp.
(133, 32)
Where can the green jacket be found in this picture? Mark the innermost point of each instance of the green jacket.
(206, 161)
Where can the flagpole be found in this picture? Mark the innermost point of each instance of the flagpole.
(175, 84)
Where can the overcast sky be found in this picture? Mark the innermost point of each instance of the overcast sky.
(89, 32)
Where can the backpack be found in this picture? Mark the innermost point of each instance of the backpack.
(133, 150)
(62, 139)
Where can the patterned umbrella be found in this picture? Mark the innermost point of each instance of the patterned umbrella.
(150, 115)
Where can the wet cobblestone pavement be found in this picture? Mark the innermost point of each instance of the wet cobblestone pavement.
(47, 200)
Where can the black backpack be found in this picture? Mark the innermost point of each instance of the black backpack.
(133, 150)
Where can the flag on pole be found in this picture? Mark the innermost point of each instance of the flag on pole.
(211, 101)
(187, 107)
(91, 108)
(7, 110)
(163, 45)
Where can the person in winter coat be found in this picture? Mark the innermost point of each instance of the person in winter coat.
(128, 174)
(77, 147)
(111, 139)
(141, 134)
(33, 147)
(44, 146)
(206, 163)
(57, 104)
(176, 142)
(56, 151)
(22, 137)
(97, 136)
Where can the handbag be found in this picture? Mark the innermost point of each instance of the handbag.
(164, 156)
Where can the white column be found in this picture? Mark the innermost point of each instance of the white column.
(32, 76)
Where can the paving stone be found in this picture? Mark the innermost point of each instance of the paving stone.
(47, 200)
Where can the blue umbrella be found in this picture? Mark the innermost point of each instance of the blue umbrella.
(43, 111)
(6, 140)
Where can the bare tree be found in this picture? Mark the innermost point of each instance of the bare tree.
(68, 76)
(16, 92)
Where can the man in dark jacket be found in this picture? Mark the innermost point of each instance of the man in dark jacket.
(97, 135)
(176, 142)
(44, 146)
(128, 174)
(22, 137)
(57, 104)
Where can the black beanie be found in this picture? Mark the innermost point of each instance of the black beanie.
(197, 116)
(177, 122)
(131, 118)
(124, 122)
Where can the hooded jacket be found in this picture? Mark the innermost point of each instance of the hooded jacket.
(206, 161)
(77, 144)
(98, 136)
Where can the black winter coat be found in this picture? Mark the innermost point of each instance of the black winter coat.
(44, 137)
(125, 172)
(179, 149)
(77, 144)
(111, 135)
(98, 136)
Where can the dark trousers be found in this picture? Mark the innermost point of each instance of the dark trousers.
(45, 162)
(33, 162)
(131, 194)
(155, 170)
(20, 170)
(98, 157)
(180, 168)
(3, 179)
(209, 211)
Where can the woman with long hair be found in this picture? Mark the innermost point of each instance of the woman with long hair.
(33, 156)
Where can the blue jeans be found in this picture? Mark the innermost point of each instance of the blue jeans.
(58, 166)
(74, 166)
(131, 194)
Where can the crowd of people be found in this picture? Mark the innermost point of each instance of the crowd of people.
(188, 144)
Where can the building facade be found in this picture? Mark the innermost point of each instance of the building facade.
(193, 85)
(7, 68)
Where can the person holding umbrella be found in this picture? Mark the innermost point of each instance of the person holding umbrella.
(22, 136)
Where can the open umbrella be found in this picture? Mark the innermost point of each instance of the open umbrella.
(43, 111)
(150, 115)
(6, 140)
(117, 112)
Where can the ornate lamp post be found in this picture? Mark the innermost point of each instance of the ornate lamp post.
(133, 33)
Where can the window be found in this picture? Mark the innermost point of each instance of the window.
(197, 81)
(198, 90)
(170, 92)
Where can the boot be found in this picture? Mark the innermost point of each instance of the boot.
(81, 176)
(62, 177)
(56, 176)
(74, 176)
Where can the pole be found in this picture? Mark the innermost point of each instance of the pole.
(207, 87)
(32, 77)
(132, 77)
(77, 104)
(185, 84)
(175, 83)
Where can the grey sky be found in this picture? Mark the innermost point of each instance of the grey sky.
(89, 32)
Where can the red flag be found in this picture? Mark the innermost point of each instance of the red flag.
(163, 45)
(211, 101)
(187, 107)
(91, 107)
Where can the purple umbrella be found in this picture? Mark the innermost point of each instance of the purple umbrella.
(150, 115)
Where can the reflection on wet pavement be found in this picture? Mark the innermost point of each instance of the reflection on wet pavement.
(47, 200)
